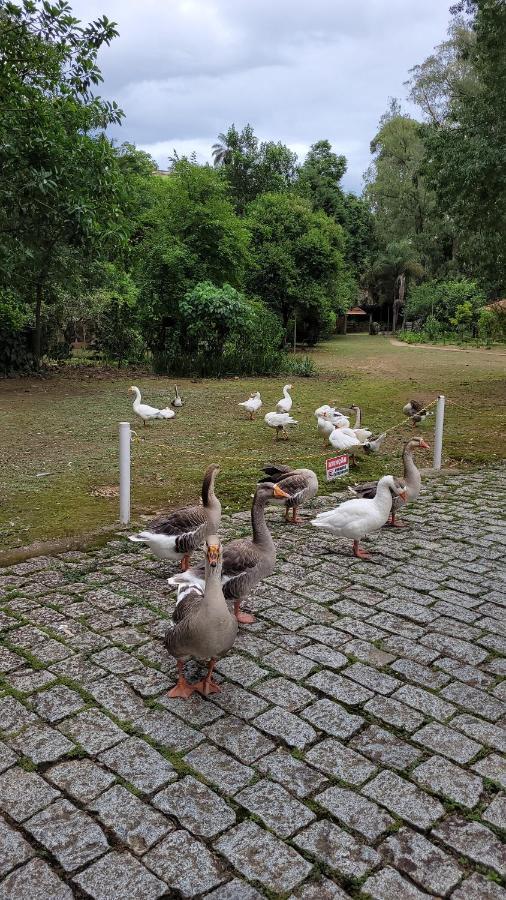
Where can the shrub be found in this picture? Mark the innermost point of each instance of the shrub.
(294, 365)
(440, 299)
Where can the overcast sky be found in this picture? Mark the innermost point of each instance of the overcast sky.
(184, 70)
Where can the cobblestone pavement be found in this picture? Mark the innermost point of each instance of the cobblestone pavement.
(356, 748)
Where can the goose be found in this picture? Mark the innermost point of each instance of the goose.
(245, 562)
(363, 434)
(299, 484)
(373, 445)
(176, 534)
(325, 426)
(252, 404)
(178, 400)
(204, 627)
(146, 412)
(333, 414)
(279, 421)
(416, 412)
(411, 478)
(356, 518)
(285, 404)
(343, 439)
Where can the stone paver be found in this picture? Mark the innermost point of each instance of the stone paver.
(196, 807)
(219, 768)
(137, 762)
(420, 859)
(185, 864)
(404, 799)
(259, 856)
(13, 848)
(24, 793)
(355, 812)
(355, 716)
(135, 823)
(337, 849)
(276, 807)
(34, 881)
(82, 779)
(120, 875)
(69, 834)
(474, 840)
(301, 779)
(388, 883)
(441, 776)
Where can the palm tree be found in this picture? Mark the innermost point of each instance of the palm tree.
(222, 150)
(391, 270)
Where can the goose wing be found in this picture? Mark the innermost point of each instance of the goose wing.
(188, 525)
(240, 560)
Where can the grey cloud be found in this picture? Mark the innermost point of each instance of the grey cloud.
(184, 70)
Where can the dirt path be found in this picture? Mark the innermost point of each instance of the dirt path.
(496, 353)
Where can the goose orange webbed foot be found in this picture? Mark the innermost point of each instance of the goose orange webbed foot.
(182, 689)
(207, 686)
(359, 553)
(243, 617)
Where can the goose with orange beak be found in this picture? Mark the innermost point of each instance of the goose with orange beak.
(356, 518)
(411, 476)
(299, 484)
(246, 562)
(204, 627)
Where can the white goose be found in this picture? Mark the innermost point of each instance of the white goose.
(363, 434)
(285, 404)
(356, 518)
(146, 412)
(252, 404)
(279, 421)
(343, 439)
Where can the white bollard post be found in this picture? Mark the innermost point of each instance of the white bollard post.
(438, 435)
(124, 472)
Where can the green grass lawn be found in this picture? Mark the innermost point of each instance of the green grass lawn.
(67, 426)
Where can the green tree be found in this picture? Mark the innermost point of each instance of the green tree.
(189, 233)
(396, 189)
(297, 262)
(252, 168)
(467, 157)
(390, 273)
(58, 175)
(320, 179)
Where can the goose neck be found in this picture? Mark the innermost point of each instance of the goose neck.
(261, 533)
(411, 473)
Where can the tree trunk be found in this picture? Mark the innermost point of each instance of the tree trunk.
(38, 325)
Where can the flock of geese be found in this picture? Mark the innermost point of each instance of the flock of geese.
(211, 594)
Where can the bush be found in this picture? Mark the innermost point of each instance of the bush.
(439, 301)
(294, 365)
(222, 333)
(15, 336)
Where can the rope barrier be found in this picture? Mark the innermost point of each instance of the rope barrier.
(262, 451)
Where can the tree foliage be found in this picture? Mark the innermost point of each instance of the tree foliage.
(297, 261)
(58, 184)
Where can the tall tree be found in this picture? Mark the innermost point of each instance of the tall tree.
(395, 186)
(320, 179)
(390, 272)
(58, 174)
(297, 261)
(188, 233)
(467, 161)
(252, 168)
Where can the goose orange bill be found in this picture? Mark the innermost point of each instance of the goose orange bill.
(424, 445)
(213, 554)
(278, 492)
(403, 495)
